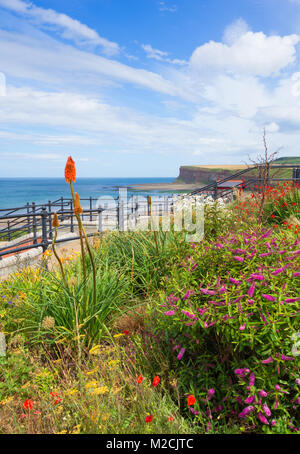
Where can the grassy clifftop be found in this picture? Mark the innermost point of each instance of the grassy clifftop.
(206, 174)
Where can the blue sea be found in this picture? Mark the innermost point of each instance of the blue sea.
(16, 192)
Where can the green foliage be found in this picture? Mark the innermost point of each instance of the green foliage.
(231, 305)
(283, 205)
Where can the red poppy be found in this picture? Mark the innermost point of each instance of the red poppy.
(139, 378)
(149, 418)
(70, 171)
(191, 400)
(156, 380)
(126, 332)
(28, 404)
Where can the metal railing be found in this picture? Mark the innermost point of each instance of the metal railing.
(30, 226)
(215, 188)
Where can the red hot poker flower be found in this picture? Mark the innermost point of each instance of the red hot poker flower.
(149, 418)
(191, 400)
(139, 378)
(70, 171)
(77, 207)
(28, 404)
(156, 380)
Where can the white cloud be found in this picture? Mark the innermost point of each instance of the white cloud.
(251, 54)
(47, 60)
(160, 55)
(164, 7)
(235, 31)
(68, 27)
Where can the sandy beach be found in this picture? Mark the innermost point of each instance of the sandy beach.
(164, 187)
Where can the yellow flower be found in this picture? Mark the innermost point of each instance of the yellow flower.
(71, 392)
(105, 417)
(100, 390)
(63, 432)
(91, 372)
(59, 409)
(95, 350)
(91, 384)
(76, 429)
(6, 401)
(118, 335)
(113, 362)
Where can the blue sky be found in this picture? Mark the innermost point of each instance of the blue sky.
(140, 87)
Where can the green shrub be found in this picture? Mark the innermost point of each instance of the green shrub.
(229, 313)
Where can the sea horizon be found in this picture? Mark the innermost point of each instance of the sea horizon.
(16, 192)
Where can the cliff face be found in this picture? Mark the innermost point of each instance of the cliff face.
(189, 174)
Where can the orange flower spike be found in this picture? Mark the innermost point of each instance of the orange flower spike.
(55, 221)
(77, 208)
(70, 171)
(139, 378)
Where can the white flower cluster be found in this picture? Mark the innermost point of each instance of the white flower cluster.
(188, 201)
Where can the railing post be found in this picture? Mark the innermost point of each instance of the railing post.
(100, 220)
(149, 205)
(166, 204)
(8, 230)
(91, 207)
(28, 217)
(44, 229)
(62, 208)
(34, 224)
(50, 220)
(215, 191)
(121, 223)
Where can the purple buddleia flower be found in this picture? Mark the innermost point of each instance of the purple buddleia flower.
(169, 313)
(249, 400)
(242, 372)
(268, 360)
(257, 277)
(262, 418)
(268, 297)
(246, 411)
(252, 379)
(263, 393)
(238, 259)
(251, 290)
(292, 300)
(234, 281)
(266, 409)
(207, 292)
(211, 392)
(265, 254)
(287, 358)
(181, 353)
(278, 271)
(242, 327)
